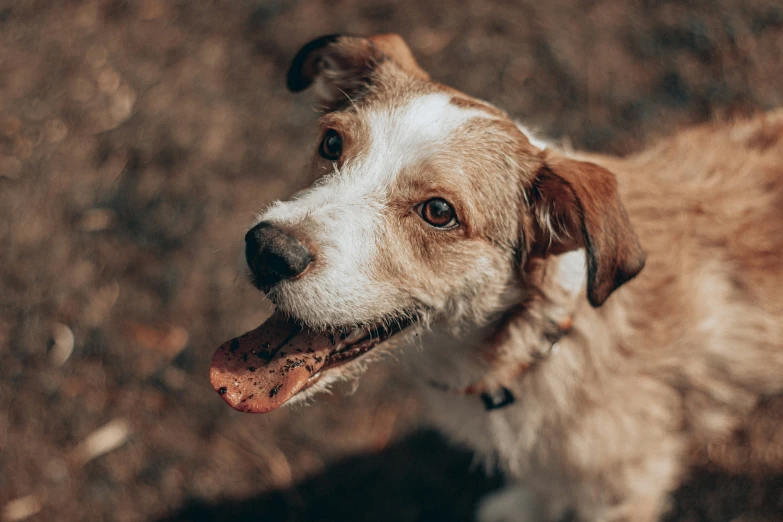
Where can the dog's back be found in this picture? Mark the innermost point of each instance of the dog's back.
(707, 312)
(687, 355)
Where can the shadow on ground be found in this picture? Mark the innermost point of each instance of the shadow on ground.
(419, 479)
(712, 496)
(423, 479)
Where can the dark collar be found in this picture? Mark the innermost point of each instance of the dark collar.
(498, 398)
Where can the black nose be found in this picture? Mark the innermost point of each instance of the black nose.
(274, 255)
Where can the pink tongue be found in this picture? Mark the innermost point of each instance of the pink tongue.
(262, 369)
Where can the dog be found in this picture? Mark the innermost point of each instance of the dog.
(585, 322)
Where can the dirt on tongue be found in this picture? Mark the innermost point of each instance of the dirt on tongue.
(262, 369)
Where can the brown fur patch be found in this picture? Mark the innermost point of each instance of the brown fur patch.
(766, 137)
(577, 205)
(393, 46)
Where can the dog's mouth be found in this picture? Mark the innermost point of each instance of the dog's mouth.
(264, 368)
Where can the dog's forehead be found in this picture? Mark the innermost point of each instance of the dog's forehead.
(425, 119)
(398, 138)
(407, 131)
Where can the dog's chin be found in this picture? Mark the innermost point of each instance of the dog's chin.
(286, 361)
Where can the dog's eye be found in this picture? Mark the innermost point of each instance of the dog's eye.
(438, 213)
(332, 145)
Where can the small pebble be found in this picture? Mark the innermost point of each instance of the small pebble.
(64, 341)
(103, 440)
(21, 508)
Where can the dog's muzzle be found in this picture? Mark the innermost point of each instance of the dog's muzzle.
(274, 255)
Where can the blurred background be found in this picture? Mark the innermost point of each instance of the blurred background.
(138, 138)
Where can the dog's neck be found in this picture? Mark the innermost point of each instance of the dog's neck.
(484, 359)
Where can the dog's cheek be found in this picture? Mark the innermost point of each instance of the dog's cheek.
(460, 279)
(488, 288)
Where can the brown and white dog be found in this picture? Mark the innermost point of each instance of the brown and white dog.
(584, 321)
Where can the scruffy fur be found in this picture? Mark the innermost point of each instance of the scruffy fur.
(675, 361)
(667, 265)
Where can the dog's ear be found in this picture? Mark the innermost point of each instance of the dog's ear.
(575, 205)
(340, 65)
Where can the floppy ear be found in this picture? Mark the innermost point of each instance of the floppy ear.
(341, 65)
(576, 205)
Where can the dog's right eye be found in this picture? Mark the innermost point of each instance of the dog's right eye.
(438, 213)
(332, 145)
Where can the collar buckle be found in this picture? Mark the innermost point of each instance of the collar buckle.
(499, 398)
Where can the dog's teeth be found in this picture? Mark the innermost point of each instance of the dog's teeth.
(356, 335)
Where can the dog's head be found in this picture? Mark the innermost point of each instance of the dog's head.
(426, 205)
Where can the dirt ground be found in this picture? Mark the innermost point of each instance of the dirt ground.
(138, 138)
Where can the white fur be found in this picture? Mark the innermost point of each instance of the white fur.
(407, 134)
(572, 271)
(344, 213)
(511, 504)
(532, 138)
(449, 358)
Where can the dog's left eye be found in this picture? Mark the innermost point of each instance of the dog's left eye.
(438, 213)
(332, 145)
